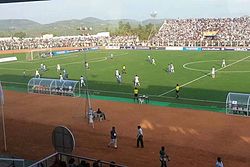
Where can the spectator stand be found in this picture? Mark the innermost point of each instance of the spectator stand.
(54, 87)
(238, 104)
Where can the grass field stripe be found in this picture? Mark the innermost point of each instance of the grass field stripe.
(168, 97)
(189, 99)
(17, 83)
(203, 76)
(15, 69)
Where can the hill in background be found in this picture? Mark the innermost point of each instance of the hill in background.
(67, 27)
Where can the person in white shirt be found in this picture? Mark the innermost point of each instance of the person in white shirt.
(41, 67)
(149, 59)
(58, 68)
(219, 162)
(136, 81)
(153, 61)
(213, 72)
(111, 56)
(86, 65)
(223, 63)
(44, 68)
(119, 79)
(82, 81)
(172, 68)
(91, 117)
(116, 73)
(61, 77)
(139, 137)
(37, 75)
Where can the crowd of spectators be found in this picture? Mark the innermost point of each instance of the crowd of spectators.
(204, 32)
(82, 163)
(173, 32)
(67, 41)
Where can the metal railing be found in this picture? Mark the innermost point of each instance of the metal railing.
(63, 157)
(13, 160)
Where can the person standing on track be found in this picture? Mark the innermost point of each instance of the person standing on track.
(164, 158)
(140, 137)
(219, 162)
(113, 137)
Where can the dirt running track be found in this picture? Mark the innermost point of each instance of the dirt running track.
(192, 138)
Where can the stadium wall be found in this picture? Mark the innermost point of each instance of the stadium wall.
(72, 49)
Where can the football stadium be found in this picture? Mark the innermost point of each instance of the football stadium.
(169, 92)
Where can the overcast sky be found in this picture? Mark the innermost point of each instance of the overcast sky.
(55, 10)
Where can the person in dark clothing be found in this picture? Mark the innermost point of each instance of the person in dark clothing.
(136, 92)
(97, 164)
(177, 90)
(113, 137)
(112, 164)
(101, 114)
(140, 137)
(164, 158)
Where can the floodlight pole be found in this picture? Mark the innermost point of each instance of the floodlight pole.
(4, 133)
(88, 103)
(153, 16)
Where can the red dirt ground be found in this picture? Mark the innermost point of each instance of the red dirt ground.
(192, 138)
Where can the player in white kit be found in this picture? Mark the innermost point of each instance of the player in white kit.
(58, 68)
(136, 81)
(213, 72)
(82, 81)
(223, 63)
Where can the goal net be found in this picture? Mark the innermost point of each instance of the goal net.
(39, 54)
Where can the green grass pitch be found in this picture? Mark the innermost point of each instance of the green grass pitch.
(191, 70)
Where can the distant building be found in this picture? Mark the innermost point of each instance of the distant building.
(47, 36)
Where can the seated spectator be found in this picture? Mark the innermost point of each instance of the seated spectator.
(82, 164)
(63, 164)
(112, 164)
(97, 163)
(101, 114)
(72, 162)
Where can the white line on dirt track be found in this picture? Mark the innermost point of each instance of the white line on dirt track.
(203, 76)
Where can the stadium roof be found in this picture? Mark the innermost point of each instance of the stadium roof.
(15, 1)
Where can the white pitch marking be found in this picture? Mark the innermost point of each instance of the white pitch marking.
(203, 76)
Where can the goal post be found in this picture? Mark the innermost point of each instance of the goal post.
(39, 54)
